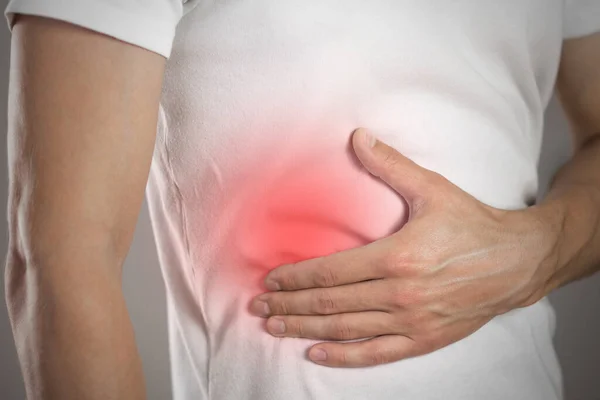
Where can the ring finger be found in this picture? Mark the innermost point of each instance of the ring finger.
(347, 326)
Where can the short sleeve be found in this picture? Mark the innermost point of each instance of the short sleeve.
(582, 17)
(149, 24)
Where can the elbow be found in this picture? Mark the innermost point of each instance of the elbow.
(16, 282)
(15, 271)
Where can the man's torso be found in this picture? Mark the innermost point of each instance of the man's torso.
(253, 169)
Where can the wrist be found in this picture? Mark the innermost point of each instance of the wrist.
(550, 218)
(536, 235)
(571, 218)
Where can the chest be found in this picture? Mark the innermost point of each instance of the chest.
(253, 82)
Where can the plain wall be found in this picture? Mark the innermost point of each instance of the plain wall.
(577, 305)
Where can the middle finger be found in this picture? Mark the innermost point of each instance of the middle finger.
(362, 296)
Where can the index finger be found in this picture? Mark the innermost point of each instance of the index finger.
(348, 266)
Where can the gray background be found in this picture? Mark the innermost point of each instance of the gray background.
(577, 305)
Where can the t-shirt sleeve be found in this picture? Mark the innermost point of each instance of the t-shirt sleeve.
(582, 17)
(149, 24)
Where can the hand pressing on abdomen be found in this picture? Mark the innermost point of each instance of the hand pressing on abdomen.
(456, 264)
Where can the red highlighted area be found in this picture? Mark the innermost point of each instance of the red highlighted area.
(305, 213)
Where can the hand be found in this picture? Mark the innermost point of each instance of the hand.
(455, 265)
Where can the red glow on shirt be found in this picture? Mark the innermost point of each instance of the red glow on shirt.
(305, 214)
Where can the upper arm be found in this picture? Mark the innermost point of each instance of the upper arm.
(82, 123)
(578, 86)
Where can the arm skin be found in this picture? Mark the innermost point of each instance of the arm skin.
(574, 197)
(82, 122)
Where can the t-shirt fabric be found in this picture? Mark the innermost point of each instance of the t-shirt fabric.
(252, 168)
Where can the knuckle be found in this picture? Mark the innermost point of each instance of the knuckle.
(390, 159)
(288, 280)
(343, 358)
(325, 277)
(378, 357)
(323, 303)
(340, 329)
(400, 263)
(281, 306)
(407, 295)
(278, 304)
(417, 322)
(393, 262)
(295, 327)
(397, 297)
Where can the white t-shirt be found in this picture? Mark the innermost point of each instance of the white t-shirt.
(252, 167)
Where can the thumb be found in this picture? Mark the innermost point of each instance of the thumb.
(407, 178)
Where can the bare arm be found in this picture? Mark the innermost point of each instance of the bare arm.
(82, 123)
(574, 199)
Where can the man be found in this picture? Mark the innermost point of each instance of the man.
(405, 260)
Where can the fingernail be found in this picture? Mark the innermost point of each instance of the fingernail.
(270, 284)
(276, 326)
(261, 309)
(318, 355)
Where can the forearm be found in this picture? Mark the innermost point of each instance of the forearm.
(573, 207)
(72, 331)
(82, 121)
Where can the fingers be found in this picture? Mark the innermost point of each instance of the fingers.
(350, 266)
(363, 296)
(366, 353)
(348, 326)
